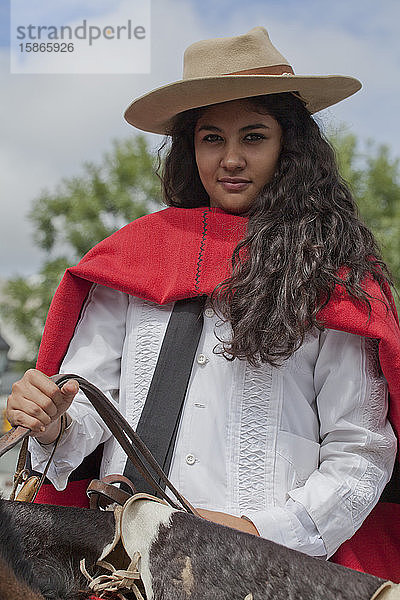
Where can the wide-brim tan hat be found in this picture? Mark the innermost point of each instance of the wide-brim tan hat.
(223, 69)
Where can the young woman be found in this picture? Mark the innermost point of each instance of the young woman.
(284, 431)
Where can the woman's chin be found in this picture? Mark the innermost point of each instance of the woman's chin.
(233, 208)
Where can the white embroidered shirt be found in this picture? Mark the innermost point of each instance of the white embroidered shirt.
(304, 450)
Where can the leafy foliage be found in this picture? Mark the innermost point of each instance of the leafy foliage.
(86, 209)
(68, 222)
(374, 178)
(26, 304)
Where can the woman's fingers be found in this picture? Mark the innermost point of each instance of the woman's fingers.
(19, 417)
(36, 401)
(65, 395)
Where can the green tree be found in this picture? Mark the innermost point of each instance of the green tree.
(374, 178)
(26, 302)
(82, 211)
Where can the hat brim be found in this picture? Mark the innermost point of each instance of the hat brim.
(153, 111)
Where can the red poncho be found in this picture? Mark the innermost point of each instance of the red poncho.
(179, 253)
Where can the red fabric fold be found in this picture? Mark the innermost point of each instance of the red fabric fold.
(166, 256)
(73, 495)
(179, 253)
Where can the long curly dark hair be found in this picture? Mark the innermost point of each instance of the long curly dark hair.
(304, 236)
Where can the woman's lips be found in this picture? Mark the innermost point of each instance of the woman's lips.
(234, 187)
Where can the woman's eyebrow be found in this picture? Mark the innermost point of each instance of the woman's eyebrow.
(245, 128)
(255, 126)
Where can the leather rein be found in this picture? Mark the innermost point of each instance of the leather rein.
(136, 451)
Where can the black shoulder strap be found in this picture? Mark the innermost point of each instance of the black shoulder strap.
(158, 423)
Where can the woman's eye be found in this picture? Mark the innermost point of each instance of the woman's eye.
(254, 137)
(211, 137)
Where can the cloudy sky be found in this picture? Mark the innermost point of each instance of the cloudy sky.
(51, 124)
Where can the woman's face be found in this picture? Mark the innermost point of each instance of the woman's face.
(237, 151)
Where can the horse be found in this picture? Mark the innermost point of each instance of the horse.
(182, 557)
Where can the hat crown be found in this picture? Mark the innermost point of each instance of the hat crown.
(219, 56)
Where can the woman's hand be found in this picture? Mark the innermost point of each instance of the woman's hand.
(228, 520)
(37, 403)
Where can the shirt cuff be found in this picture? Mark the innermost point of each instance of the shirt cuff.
(289, 526)
(62, 463)
(80, 439)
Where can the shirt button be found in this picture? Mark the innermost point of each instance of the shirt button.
(190, 459)
(202, 359)
(209, 312)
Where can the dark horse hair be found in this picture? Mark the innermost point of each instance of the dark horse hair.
(304, 235)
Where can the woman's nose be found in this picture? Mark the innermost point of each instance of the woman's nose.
(232, 158)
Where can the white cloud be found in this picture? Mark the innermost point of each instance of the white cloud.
(51, 124)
